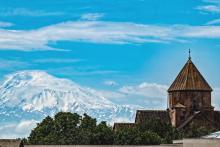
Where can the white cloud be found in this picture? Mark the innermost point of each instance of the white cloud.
(56, 60)
(212, 22)
(148, 95)
(5, 24)
(97, 32)
(111, 94)
(97, 72)
(17, 130)
(209, 8)
(11, 64)
(211, 32)
(26, 12)
(152, 95)
(110, 83)
(101, 32)
(92, 16)
(152, 90)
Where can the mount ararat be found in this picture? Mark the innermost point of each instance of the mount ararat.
(33, 95)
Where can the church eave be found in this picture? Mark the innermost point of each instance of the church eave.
(179, 90)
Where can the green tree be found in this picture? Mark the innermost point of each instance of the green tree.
(66, 127)
(43, 133)
(133, 136)
(88, 122)
(128, 136)
(103, 135)
(70, 128)
(87, 129)
(196, 132)
(150, 138)
(164, 130)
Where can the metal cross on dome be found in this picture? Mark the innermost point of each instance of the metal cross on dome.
(189, 54)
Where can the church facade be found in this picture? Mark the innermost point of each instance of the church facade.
(189, 103)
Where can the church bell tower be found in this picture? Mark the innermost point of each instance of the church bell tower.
(189, 95)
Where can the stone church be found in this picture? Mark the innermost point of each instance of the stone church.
(189, 103)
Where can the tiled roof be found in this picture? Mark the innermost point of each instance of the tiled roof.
(143, 116)
(190, 78)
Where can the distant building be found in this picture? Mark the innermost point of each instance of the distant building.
(189, 103)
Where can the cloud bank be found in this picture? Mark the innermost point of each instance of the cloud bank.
(92, 16)
(16, 130)
(210, 6)
(5, 24)
(6, 12)
(146, 89)
(101, 32)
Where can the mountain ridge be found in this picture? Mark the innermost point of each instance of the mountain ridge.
(27, 95)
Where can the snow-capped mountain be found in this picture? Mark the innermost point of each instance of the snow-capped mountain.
(32, 95)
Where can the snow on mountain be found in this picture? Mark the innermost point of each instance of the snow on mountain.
(32, 95)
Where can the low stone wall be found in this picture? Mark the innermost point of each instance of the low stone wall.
(201, 143)
(186, 143)
(172, 145)
(11, 143)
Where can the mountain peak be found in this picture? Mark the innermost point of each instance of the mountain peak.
(36, 78)
(38, 94)
(29, 74)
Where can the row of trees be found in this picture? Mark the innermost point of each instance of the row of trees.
(71, 128)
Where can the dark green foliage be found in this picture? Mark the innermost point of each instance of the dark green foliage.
(129, 136)
(44, 133)
(88, 123)
(65, 127)
(103, 134)
(133, 136)
(150, 138)
(70, 128)
(196, 132)
(165, 131)
(87, 129)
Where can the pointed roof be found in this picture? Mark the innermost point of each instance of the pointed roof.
(190, 78)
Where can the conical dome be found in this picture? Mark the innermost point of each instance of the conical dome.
(189, 78)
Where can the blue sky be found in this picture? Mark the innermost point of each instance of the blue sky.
(111, 45)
